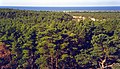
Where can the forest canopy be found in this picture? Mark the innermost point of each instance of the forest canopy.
(53, 40)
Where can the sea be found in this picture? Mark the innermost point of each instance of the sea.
(94, 8)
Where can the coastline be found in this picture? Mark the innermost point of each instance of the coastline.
(66, 9)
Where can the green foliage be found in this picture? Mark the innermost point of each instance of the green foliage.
(52, 40)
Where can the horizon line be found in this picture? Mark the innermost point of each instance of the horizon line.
(63, 6)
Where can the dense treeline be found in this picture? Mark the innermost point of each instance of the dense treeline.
(52, 40)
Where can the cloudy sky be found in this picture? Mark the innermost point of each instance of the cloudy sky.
(59, 3)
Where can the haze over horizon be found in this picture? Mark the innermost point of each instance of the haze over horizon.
(60, 3)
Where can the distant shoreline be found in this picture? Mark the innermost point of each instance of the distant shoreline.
(67, 9)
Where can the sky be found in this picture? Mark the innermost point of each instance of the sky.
(61, 3)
